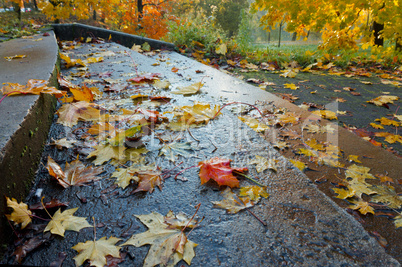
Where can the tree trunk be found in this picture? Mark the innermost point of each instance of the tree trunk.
(377, 27)
(94, 14)
(294, 36)
(398, 44)
(140, 8)
(35, 5)
(280, 35)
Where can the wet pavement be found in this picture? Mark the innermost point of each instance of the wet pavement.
(303, 226)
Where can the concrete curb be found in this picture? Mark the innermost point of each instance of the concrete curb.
(26, 119)
(77, 30)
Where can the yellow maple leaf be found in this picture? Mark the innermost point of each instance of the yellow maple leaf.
(188, 90)
(64, 221)
(35, 87)
(254, 192)
(298, 164)
(291, 86)
(398, 219)
(70, 114)
(221, 49)
(362, 206)
(354, 158)
(21, 213)
(289, 73)
(343, 193)
(96, 251)
(264, 163)
(168, 242)
(254, 124)
(383, 99)
(326, 114)
(386, 122)
(106, 152)
(376, 126)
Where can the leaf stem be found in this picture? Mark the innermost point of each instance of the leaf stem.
(231, 103)
(248, 177)
(184, 171)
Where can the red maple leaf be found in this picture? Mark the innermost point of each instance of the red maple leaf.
(219, 170)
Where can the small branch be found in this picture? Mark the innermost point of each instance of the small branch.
(184, 171)
(252, 213)
(188, 130)
(231, 103)
(213, 145)
(251, 179)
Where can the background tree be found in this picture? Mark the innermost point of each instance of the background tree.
(341, 22)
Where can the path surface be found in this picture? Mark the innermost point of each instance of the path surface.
(304, 226)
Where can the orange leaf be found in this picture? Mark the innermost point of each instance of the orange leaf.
(82, 94)
(174, 69)
(148, 181)
(219, 170)
(35, 87)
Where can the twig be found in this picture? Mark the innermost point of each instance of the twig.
(251, 179)
(213, 145)
(231, 103)
(188, 130)
(172, 168)
(252, 213)
(184, 171)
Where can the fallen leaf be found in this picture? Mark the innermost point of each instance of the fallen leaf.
(70, 114)
(298, 164)
(387, 196)
(75, 173)
(221, 49)
(398, 221)
(63, 143)
(387, 122)
(253, 192)
(148, 180)
(344, 193)
(168, 246)
(354, 158)
(15, 57)
(147, 78)
(173, 150)
(291, 86)
(96, 251)
(362, 206)
(20, 213)
(35, 87)
(69, 62)
(383, 100)
(376, 126)
(64, 221)
(29, 245)
(195, 115)
(107, 152)
(254, 124)
(232, 203)
(264, 163)
(188, 90)
(220, 171)
(289, 73)
(326, 114)
(161, 84)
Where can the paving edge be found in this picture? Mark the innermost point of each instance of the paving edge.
(77, 30)
(23, 151)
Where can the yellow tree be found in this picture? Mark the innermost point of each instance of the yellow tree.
(342, 22)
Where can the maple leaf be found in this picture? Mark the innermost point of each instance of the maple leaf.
(124, 176)
(385, 121)
(221, 49)
(343, 193)
(75, 173)
(64, 221)
(220, 171)
(198, 114)
(20, 213)
(188, 90)
(232, 203)
(71, 62)
(107, 152)
(254, 124)
(158, 84)
(147, 78)
(15, 57)
(362, 206)
(96, 251)
(172, 150)
(289, 73)
(354, 158)
(168, 246)
(63, 143)
(253, 192)
(291, 86)
(398, 221)
(264, 163)
(35, 87)
(298, 164)
(287, 118)
(179, 221)
(70, 114)
(82, 93)
(383, 100)
(325, 114)
(120, 136)
(376, 126)
(358, 173)
(388, 196)
(149, 179)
